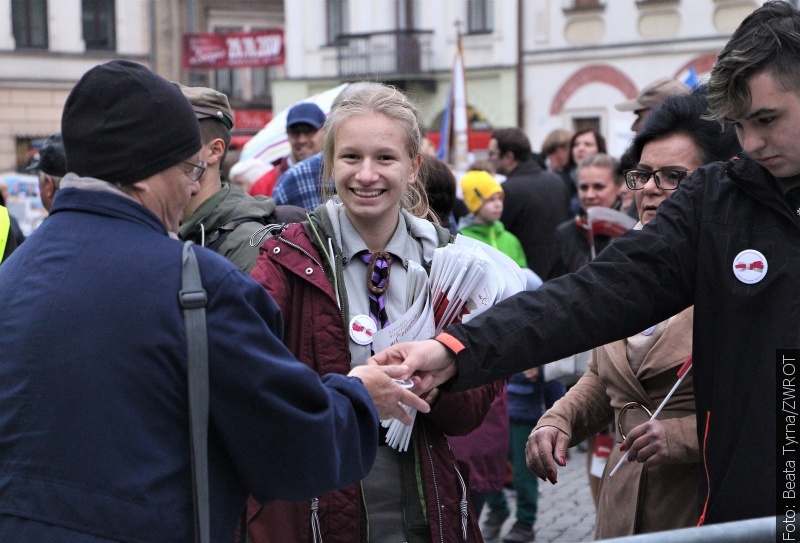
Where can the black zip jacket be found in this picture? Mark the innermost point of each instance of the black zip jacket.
(687, 255)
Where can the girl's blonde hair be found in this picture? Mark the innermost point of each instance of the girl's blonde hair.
(374, 98)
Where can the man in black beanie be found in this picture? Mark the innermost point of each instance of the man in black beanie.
(94, 438)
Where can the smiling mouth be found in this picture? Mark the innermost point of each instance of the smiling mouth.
(367, 193)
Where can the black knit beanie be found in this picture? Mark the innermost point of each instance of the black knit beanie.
(123, 123)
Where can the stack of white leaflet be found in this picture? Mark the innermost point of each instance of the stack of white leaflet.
(466, 278)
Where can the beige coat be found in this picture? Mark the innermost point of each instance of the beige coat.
(638, 499)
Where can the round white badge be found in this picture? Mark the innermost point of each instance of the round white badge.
(750, 266)
(361, 329)
(649, 331)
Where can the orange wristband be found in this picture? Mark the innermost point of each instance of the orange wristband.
(450, 342)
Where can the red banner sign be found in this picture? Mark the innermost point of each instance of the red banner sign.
(251, 119)
(256, 49)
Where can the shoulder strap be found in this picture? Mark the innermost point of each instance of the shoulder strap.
(216, 238)
(193, 300)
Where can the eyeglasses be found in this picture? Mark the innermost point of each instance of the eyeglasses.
(197, 170)
(666, 179)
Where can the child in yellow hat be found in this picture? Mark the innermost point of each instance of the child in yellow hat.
(483, 196)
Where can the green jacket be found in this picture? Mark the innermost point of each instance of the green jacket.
(497, 236)
(244, 216)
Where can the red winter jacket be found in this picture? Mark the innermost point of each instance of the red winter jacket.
(296, 274)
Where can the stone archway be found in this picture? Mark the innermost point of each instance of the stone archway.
(593, 74)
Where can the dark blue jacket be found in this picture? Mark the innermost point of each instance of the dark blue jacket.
(528, 400)
(93, 405)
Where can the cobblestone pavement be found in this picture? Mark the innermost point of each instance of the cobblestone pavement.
(566, 510)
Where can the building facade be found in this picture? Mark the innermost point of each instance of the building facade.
(538, 64)
(47, 45)
(581, 57)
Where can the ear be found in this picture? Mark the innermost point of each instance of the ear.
(216, 150)
(49, 186)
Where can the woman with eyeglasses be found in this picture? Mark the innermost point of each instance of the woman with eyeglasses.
(628, 379)
(339, 277)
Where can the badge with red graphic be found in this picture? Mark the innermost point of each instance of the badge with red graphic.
(361, 329)
(750, 266)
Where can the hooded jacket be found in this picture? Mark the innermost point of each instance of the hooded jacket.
(243, 216)
(726, 242)
(296, 270)
(495, 235)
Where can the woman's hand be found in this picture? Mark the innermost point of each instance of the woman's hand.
(546, 449)
(647, 444)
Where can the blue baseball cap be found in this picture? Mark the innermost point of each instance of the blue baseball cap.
(306, 113)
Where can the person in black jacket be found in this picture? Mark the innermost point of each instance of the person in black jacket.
(536, 200)
(727, 241)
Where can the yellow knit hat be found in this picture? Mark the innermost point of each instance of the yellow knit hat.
(478, 186)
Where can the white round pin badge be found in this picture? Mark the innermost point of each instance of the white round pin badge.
(649, 331)
(361, 329)
(750, 266)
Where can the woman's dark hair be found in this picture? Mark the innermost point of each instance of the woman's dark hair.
(440, 184)
(687, 115)
(598, 137)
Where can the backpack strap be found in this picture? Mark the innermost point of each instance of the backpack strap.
(216, 238)
(193, 300)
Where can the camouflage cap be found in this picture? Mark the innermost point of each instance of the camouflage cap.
(655, 93)
(209, 103)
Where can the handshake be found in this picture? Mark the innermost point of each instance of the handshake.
(427, 364)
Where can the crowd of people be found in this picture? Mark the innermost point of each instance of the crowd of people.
(303, 261)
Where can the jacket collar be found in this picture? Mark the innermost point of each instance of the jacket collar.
(528, 168)
(756, 181)
(228, 203)
(428, 234)
(105, 202)
(670, 351)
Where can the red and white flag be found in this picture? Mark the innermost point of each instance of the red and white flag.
(608, 222)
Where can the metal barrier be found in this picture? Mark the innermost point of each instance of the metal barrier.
(760, 530)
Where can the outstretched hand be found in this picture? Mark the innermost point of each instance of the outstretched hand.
(429, 360)
(647, 444)
(387, 394)
(545, 451)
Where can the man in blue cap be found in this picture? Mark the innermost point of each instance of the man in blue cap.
(303, 128)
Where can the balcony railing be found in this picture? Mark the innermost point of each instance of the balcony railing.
(397, 52)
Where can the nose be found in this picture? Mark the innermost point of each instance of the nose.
(366, 172)
(650, 187)
(751, 141)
